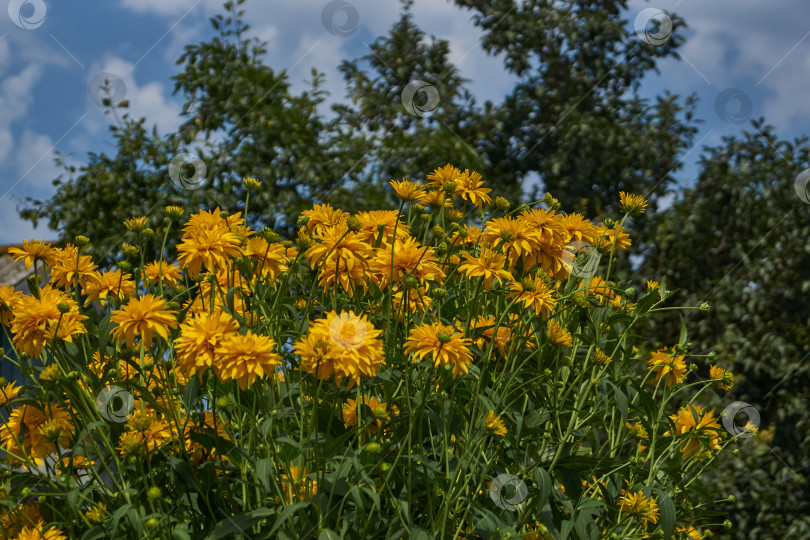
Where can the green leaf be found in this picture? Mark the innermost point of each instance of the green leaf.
(286, 513)
(241, 523)
(544, 485)
(667, 508)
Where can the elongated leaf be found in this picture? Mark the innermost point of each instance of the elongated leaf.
(241, 523)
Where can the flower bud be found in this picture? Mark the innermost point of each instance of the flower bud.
(63, 307)
(502, 204)
(152, 522)
(418, 208)
(705, 307)
(411, 281)
(380, 412)
(607, 222)
(438, 231)
(125, 266)
(449, 187)
(251, 184)
(439, 293)
(727, 524)
(373, 448)
(153, 493)
(81, 240)
(425, 217)
(303, 219)
(354, 224)
(174, 212)
(732, 499)
(223, 214)
(148, 233)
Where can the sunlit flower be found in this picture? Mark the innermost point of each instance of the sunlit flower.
(145, 433)
(579, 229)
(322, 216)
(494, 424)
(512, 237)
(144, 316)
(199, 338)
(613, 236)
(245, 358)
(272, 258)
(407, 191)
(163, 271)
(692, 417)
(601, 357)
(652, 285)
(534, 293)
(666, 364)
(489, 265)
(33, 250)
(136, 224)
(388, 220)
(69, 268)
(442, 343)
(211, 248)
(632, 204)
(97, 513)
(39, 531)
(109, 283)
(469, 188)
(440, 175)
(379, 411)
(405, 258)
(726, 381)
(8, 299)
(689, 532)
(39, 320)
(486, 327)
(636, 430)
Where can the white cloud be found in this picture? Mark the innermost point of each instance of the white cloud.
(34, 159)
(159, 7)
(15, 99)
(13, 229)
(150, 100)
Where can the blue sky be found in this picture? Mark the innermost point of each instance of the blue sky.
(758, 52)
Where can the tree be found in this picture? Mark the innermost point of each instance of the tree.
(740, 239)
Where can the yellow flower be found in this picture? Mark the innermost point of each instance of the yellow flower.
(535, 294)
(613, 236)
(392, 264)
(344, 345)
(296, 486)
(489, 265)
(632, 204)
(8, 300)
(97, 513)
(251, 183)
(494, 424)
(644, 509)
(33, 250)
(322, 216)
(174, 212)
(407, 190)
(136, 224)
(440, 175)
(413, 301)
(689, 532)
(601, 358)
(272, 258)
(51, 420)
(443, 343)
(163, 271)
(503, 337)
(69, 268)
(652, 285)
(211, 248)
(343, 253)
(378, 408)
(726, 381)
(558, 335)
(39, 320)
(199, 338)
(9, 392)
(39, 532)
(695, 418)
(512, 237)
(469, 187)
(371, 222)
(666, 364)
(144, 316)
(579, 229)
(145, 433)
(245, 358)
(112, 282)
(636, 430)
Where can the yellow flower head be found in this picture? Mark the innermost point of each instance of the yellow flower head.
(33, 250)
(113, 283)
(136, 224)
(445, 345)
(39, 320)
(632, 204)
(558, 335)
(43, 427)
(726, 381)
(245, 358)
(199, 338)
(440, 175)
(694, 418)
(534, 293)
(644, 509)
(143, 316)
(666, 364)
(408, 191)
(168, 273)
(489, 265)
(494, 424)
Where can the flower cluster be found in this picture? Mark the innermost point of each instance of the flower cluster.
(373, 375)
